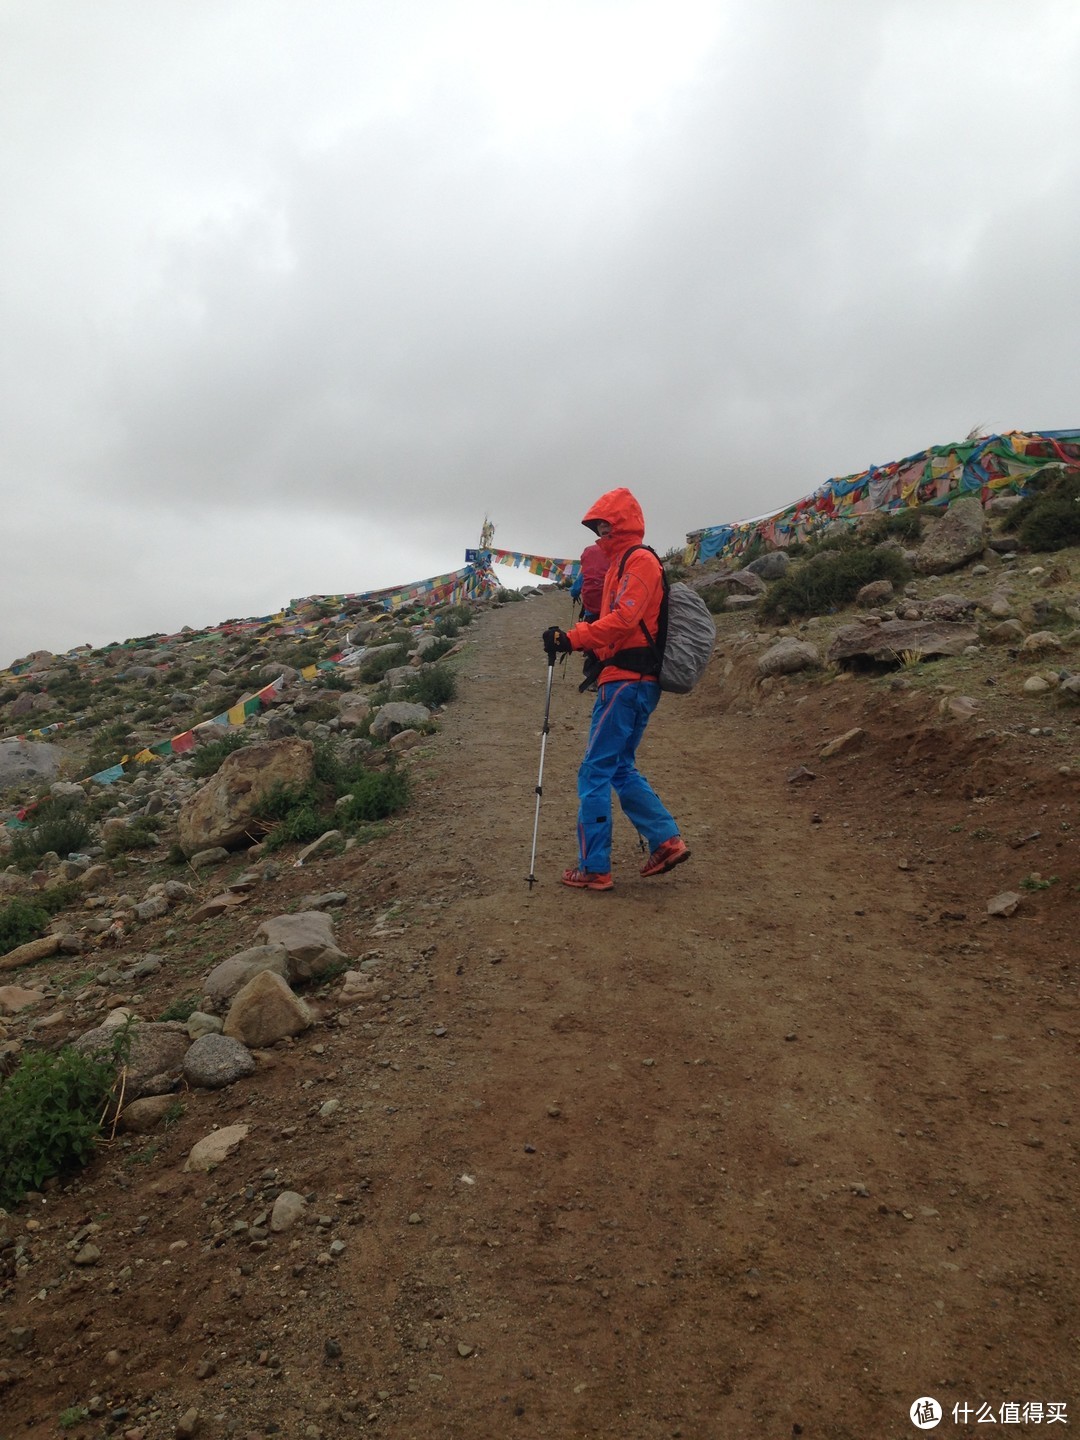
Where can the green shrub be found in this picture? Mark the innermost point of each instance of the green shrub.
(842, 539)
(318, 712)
(51, 1112)
(896, 524)
(140, 834)
(301, 813)
(377, 662)
(829, 580)
(282, 800)
(21, 921)
(375, 796)
(180, 1009)
(754, 551)
(55, 898)
(1054, 522)
(207, 759)
(58, 823)
(454, 619)
(441, 647)
(436, 685)
(326, 766)
(299, 656)
(1048, 518)
(299, 826)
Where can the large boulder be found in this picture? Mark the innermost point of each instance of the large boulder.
(266, 1011)
(223, 812)
(24, 762)
(890, 643)
(215, 1061)
(308, 941)
(745, 580)
(959, 536)
(154, 1055)
(877, 592)
(231, 975)
(773, 566)
(353, 709)
(788, 656)
(398, 715)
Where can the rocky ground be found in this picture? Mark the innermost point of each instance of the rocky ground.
(773, 1145)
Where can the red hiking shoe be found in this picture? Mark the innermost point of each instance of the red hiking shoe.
(587, 880)
(666, 856)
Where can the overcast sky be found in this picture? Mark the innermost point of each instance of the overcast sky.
(292, 294)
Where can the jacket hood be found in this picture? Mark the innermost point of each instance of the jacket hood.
(623, 514)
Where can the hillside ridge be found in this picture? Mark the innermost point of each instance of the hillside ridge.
(775, 1144)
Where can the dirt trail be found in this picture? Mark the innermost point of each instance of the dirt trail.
(768, 1146)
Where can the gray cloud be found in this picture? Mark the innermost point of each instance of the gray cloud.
(300, 295)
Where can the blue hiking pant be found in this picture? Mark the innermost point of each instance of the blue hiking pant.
(619, 717)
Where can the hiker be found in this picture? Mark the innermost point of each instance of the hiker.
(628, 693)
(589, 585)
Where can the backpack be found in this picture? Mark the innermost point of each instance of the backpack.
(684, 640)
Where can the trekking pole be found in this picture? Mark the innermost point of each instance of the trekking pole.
(531, 877)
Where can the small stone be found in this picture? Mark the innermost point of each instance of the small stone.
(188, 1424)
(847, 741)
(288, 1208)
(1003, 905)
(214, 1148)
(464, 1350)
(416, 1218)
(88, 1255)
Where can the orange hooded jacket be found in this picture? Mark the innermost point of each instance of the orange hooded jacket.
(627, 601)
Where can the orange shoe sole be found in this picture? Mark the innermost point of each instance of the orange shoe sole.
(587, 880)
(658, 864)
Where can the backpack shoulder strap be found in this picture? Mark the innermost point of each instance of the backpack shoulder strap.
(655, 643)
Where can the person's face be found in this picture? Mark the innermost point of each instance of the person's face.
(603, 529)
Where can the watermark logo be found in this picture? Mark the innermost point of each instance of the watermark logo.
(925, 1413)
